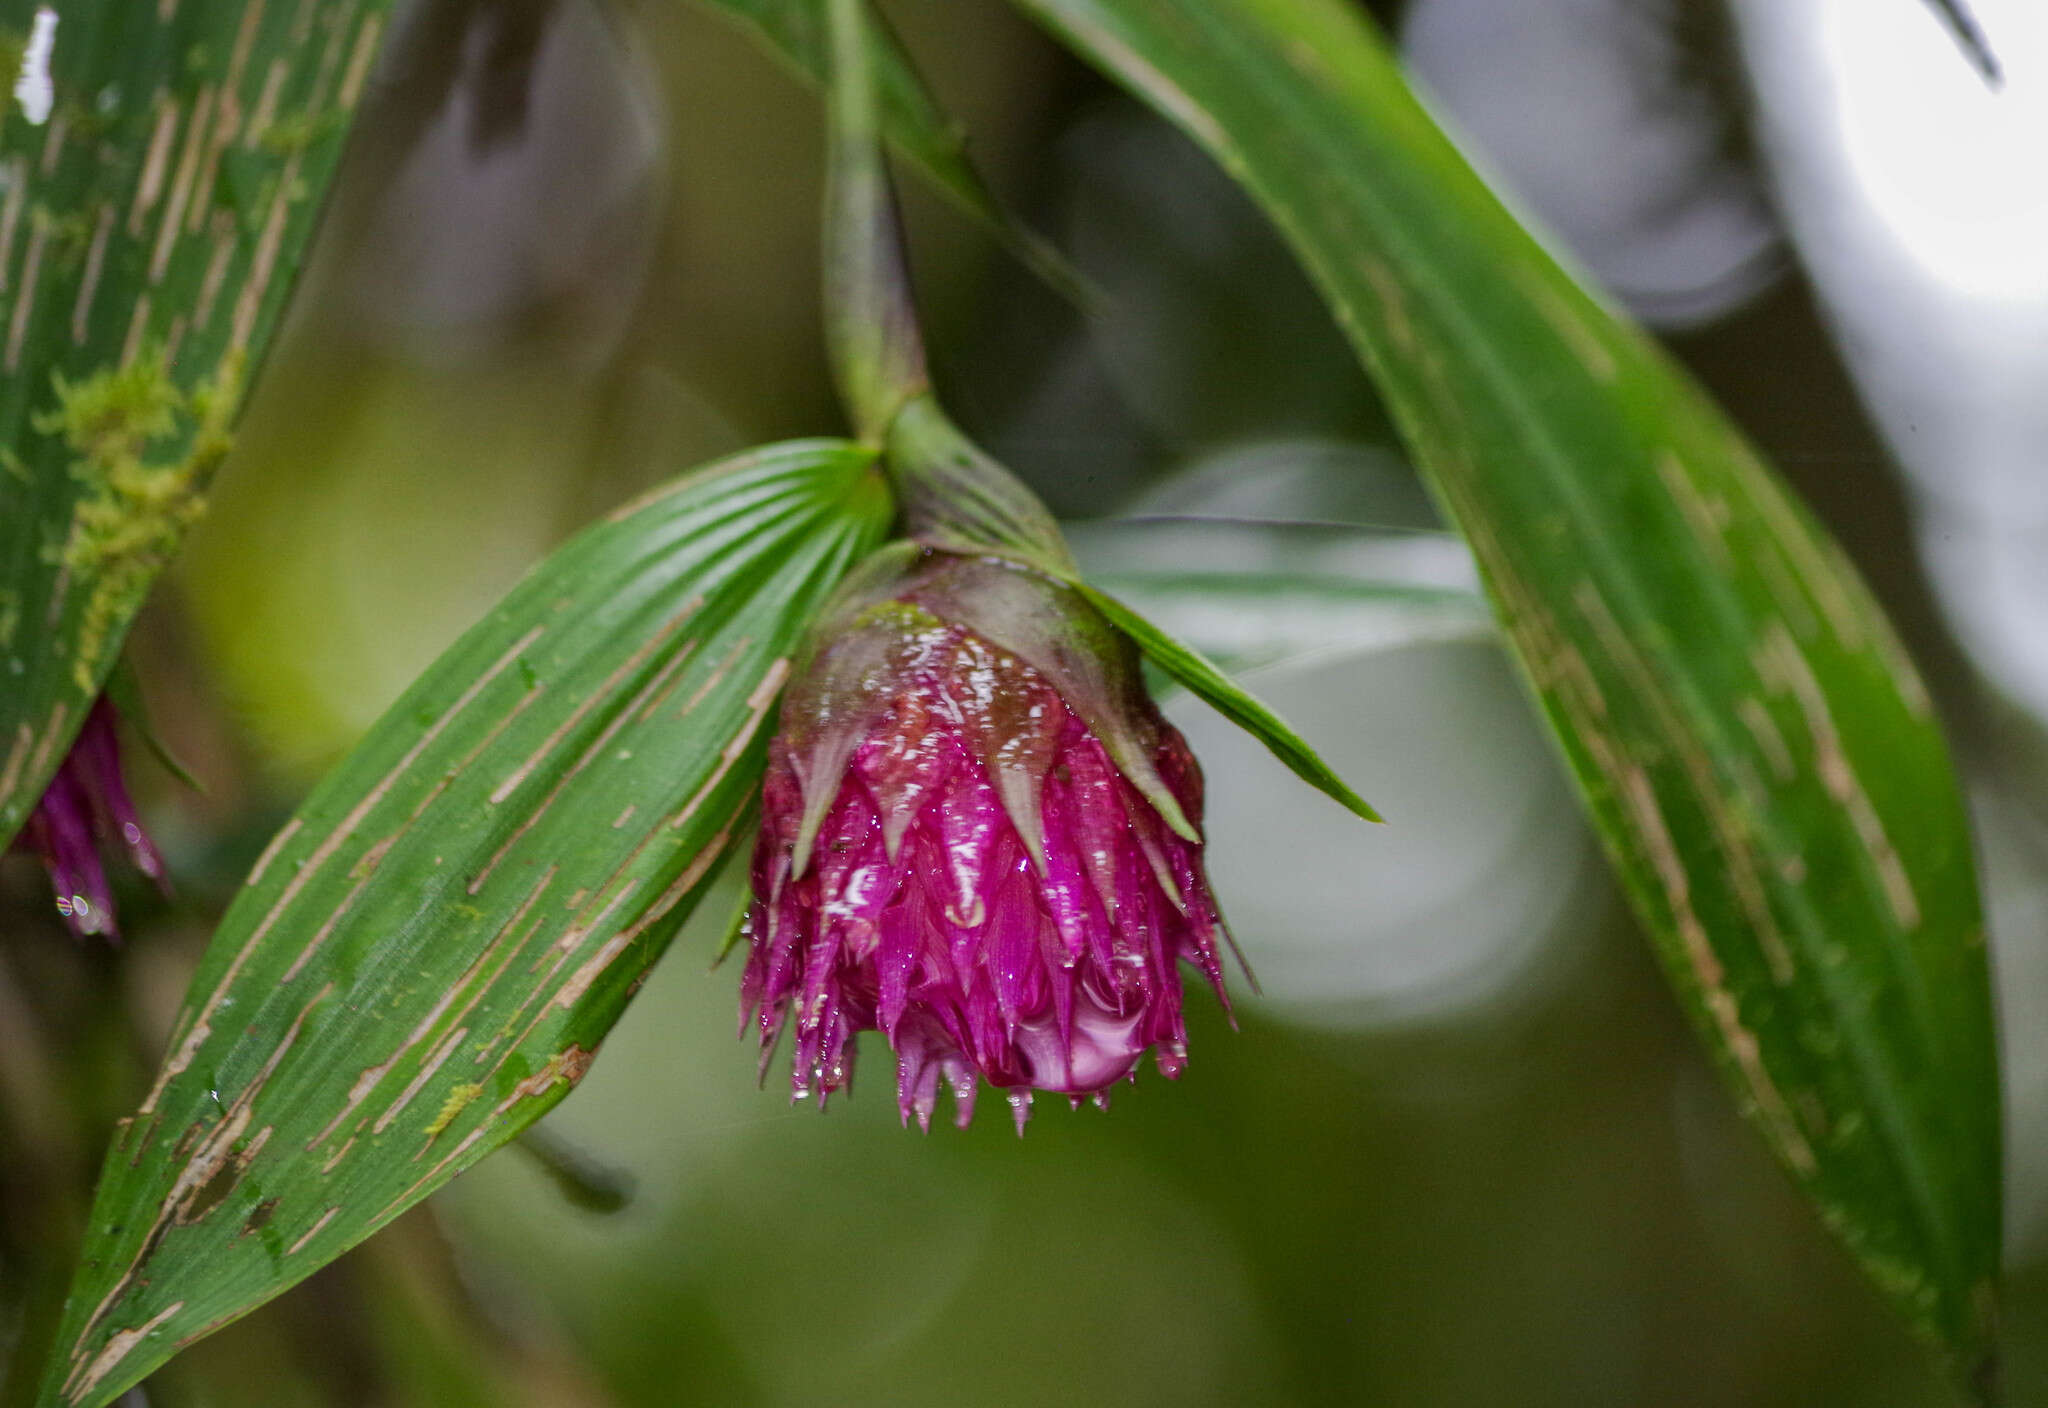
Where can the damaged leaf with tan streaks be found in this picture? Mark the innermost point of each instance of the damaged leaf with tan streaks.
(1761, 761)
(428, 955)
(138, 288)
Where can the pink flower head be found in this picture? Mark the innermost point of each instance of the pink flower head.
(979, 837)
(86, 804)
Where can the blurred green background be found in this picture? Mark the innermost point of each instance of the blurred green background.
(1463, 1150)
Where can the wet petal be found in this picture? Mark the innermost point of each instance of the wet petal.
(988, 887)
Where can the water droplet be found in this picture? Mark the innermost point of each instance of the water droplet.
(33, 88)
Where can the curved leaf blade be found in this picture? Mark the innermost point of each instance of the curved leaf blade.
(428, 955)
(1761, 761)
(1254, 620)
(1250, 594)
(153, 214)
(1201, 678)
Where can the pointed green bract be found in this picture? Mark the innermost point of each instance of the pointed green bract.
(428, 955)
(1223, 694)
(1761, 761)
(1258, 621)
(1245, 621)
(1255, 595)
(156, 199)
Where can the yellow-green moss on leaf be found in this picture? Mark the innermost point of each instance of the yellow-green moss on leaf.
(459, 1099)
(135, 508)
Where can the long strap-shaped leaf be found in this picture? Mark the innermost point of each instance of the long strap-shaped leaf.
(427, 956)
(1756, 751)
(161, 167)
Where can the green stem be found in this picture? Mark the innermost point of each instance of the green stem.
(871, 329)
(951, 494)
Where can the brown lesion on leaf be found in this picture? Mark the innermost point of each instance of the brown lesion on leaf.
(1706, 515)
(1786, 669)
(183, 1148)
(1769, 741)
(198, 1188)
(428, 1069)
(1815, 567)
(259, 1216)
(212, 1193)
(25, 297)
(469, 984)
(277, 843)
(17, 754)
(156, 162)
(607, 953)
(568, 1065)
(311, 1232)
(118, 1347)
(1735, 833)
(1710, 978)
(1560, 670)
(340, 1151)
(1565, 319)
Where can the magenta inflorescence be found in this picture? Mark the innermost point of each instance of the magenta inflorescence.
(985, 887)
(87, 805)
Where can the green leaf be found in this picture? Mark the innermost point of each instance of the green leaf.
(1250, 594)
(152, 219)
(1228, 698)
(1760, 759)
(796, 32)
(428, 955)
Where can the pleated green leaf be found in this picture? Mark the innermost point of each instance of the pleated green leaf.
(428, 955)
(162, 165)
(1757, 752)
